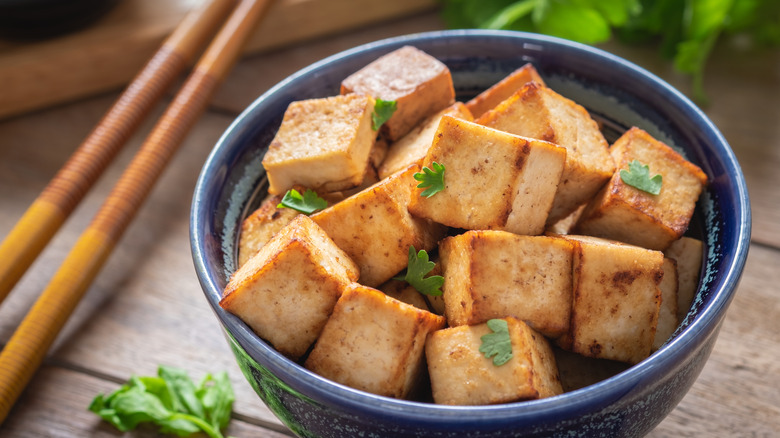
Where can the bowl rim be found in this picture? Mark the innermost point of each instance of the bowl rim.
(581, 400)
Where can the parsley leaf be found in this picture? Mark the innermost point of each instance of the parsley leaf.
(171, 401)
(497, 344)
(638, 176)
(383, 110)
(417, 268)
(307, 203)
(433, 179)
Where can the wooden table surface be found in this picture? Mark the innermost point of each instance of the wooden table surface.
(146, 307)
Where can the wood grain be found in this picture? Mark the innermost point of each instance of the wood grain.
(146, 308)
(56, 406)
(108, 54)
(63, 193)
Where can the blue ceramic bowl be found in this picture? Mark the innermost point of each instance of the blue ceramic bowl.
(617, 93)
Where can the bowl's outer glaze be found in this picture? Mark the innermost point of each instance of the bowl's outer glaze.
(618, 93)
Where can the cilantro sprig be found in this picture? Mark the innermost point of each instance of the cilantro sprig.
(433, 179)
(307, 203)
(638, 176)
(418, 267)
(383, 110)
(686, 30)
(171, 401)
(498, 344)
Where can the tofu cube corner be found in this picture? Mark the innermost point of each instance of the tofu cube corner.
(374, 343)
(503, 89)
(419, 84)
(494, 274)
(375, 228)
(462, 375)
(323, 144)
(616, 299)
(413, 147)
(536, 111)
(492, 179)
(287, 291)
(625, 213)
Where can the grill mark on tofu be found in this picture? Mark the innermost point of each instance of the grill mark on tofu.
(623, 279)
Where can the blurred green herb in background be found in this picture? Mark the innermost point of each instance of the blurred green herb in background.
(686, 30)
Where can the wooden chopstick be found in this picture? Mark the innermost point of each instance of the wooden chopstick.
(27, 347)
(61, 196)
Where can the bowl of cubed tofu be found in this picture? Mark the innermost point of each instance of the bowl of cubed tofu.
(471, 233)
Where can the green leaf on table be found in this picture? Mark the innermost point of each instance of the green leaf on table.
(417, 268)
(638, 176)
(433, 179)
(307, 203)
(383, 110)
(171, 401)
(217, 396)
(498, 344)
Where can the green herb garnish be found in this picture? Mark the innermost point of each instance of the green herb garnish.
(307, 203)
(433, 179)
(383, 110)
(418, 267)
(497, 344)
(638, 176)
(685, 30)
(170, 401)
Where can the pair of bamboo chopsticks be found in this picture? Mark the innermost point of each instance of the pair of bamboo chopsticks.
(27, 347)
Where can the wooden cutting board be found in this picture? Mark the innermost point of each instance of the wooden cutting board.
(108, 54)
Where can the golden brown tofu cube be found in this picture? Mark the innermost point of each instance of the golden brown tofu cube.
(258, 228)
(539, 112)
(492, 179)
(419, 84)
(667, 314)
(287, 291)
(322, 144)
(373, 343)
(616, 299)
(412, 147)
(688, 253)
(503, 89)
(494, 274)
(625, 213)
(462, 375)
(375, 228)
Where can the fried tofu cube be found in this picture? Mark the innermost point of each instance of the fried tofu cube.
(538, 112)
(375, 228)
(287, 291)
(667, 314)
(419, 84)
(494, 274)
(461, 375)
(267, 220)
(492, 179)
(625, 213)
(412, 147)
(322, 144)
(258, 228)
(616, 299)
(503, 89)
(687, 252)
(373, 343)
